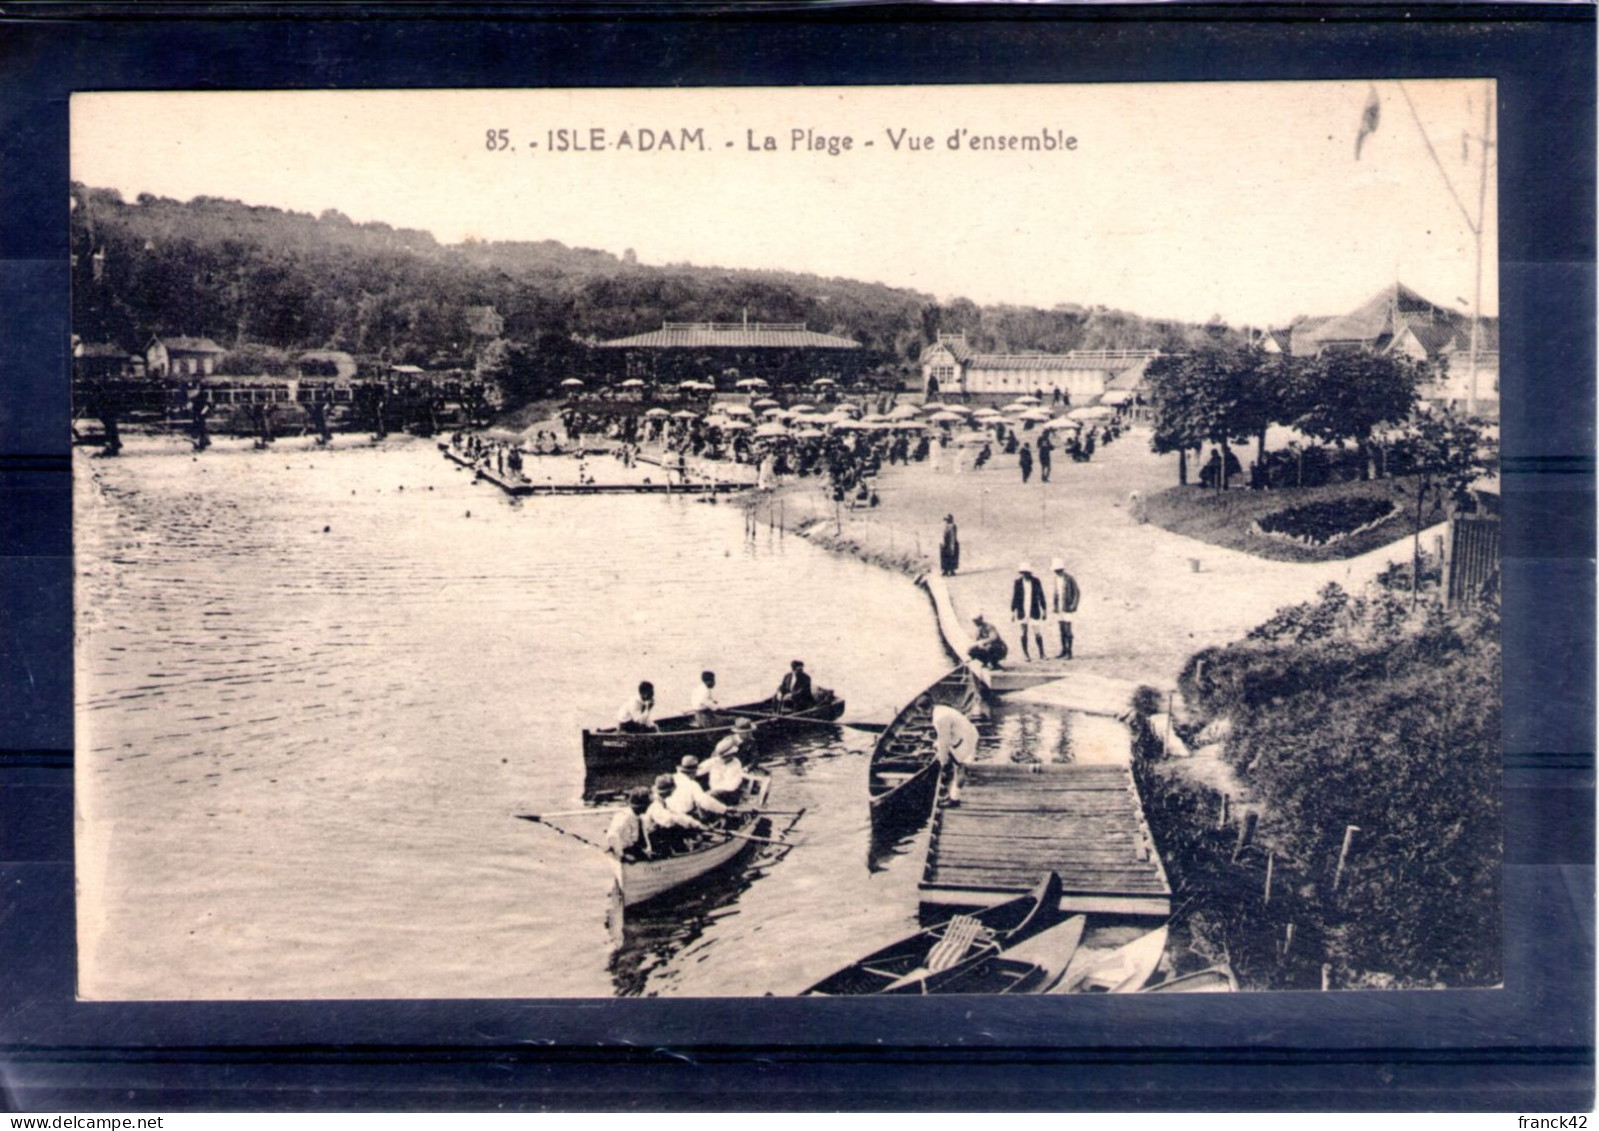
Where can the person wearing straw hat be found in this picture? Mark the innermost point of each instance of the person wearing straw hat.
(1028, 608)
(664, 827)
(688, 798)
(626, 838)
(723, 771)
(1063, 599)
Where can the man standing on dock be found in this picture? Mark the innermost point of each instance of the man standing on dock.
(1064, 596)
(1028, 608)
(954, 744)
(949, 548)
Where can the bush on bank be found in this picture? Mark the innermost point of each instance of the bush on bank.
(1366, 712)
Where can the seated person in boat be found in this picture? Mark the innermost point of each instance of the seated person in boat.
(668, 830)
(704, 704)
(954, 742)
(794, 693)
(723, 771)
(989, 648)
(688, 796)
(635, 713)
(626, 839)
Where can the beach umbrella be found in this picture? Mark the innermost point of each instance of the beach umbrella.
(933, 406)
(847, 425)
(908, 426)
(968, 439)
(802, 407)
(657, 413)
(685, 414)
(571, 383)
(901, 412)
(738, 410)
(824, 381)
(1015, 409)
(735, 426)
(775, 410)
(947, 418)
(874, 418)
(1028, 400)
(762, 402)
(1036, 415)
(808, 434)
(751, 383)
(771, 428)
(1089, 412)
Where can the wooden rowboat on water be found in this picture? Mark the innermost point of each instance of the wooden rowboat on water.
(1216, 980)
(1030, 967)
(647, 879)
(1121, 971)
(924, 963)
(615, 758)
(904, 773)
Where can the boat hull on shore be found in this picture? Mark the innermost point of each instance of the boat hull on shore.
(905, 773)
(645, 880)
(615, 759)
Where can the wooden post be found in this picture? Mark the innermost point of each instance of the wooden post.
(1246, 835)
(1165, 741)
(1271, 858)
(1288, 939)
(1343, 854)
(1221, 817)
(1326, 976)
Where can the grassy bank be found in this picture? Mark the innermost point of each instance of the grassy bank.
(1226, 518)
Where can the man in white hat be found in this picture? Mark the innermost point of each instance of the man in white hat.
(1028, 608)
(1063, 599)
(723, 771)
(688, 798)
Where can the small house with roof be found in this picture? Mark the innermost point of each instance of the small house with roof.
(182, 357)
(784, 353)
(102, 361)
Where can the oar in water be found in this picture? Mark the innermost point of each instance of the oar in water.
(755, 839)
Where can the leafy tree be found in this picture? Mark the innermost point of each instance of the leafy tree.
(1217, 394)
(1347, 395)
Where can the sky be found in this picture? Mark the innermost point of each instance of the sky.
(1243, 200)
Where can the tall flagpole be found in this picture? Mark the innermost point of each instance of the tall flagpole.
(1482, 200)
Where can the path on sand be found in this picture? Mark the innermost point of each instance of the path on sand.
(1145, 608)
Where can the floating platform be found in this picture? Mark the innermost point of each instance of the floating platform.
(1016, 822)
(518, 486)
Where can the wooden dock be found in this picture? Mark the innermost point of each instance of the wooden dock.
(520, 487)
(1015, 822)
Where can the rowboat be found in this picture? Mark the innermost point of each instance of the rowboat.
(1122, 971)
(1030, 967)
(644, 880)
(928, 960)
(613, 757)
(904, 773)
(1216, 980)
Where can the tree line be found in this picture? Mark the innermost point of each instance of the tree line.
(265, 279)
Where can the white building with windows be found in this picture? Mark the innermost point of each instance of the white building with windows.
(1083, 375)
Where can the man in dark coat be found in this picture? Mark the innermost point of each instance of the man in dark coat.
(1025, 458)
(949, 548)
(1063, 599)
(1046, 452)
(1028, 608)
(794, 693)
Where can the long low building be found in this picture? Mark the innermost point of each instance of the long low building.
(783, 353)
(1083, 375)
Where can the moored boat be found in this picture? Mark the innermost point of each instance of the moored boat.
(647, 879)
(1120, 971)
(615, 758)
(904, 774)
(1216, 980)
(928, 960)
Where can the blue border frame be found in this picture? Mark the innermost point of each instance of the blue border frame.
(1526, 1047)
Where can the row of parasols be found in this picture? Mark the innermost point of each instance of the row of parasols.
(802, 421)
(699, 386)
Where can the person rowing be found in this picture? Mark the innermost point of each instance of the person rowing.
(704, 704)
(723, 771)
(794, 693)
(666, 829)
(688, 797)
(627, 838)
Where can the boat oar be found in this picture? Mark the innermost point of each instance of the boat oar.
(536, 819)
(572, 812)
(872, 728)
(755, 839)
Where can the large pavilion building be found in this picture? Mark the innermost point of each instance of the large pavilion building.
(784, 353)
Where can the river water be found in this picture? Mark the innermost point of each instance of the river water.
(315, 688)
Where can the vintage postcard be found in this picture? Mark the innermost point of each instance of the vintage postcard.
(831, 541)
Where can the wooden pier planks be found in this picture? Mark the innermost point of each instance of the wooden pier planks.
(1016, 822)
